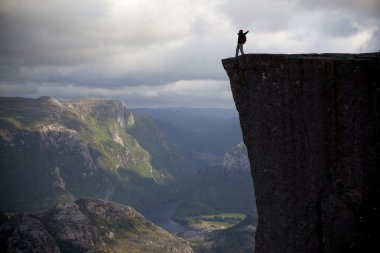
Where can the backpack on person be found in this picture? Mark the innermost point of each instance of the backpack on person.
(244, 39)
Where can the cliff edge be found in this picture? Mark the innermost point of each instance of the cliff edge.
(311, 126)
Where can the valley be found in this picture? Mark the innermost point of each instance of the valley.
(215, 222)
(162, 217)
(182, 168)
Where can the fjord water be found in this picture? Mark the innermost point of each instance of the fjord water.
(161, 217)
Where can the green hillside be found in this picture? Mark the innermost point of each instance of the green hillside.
(52, 151)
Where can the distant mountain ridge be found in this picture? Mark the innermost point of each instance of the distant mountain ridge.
(54, 151)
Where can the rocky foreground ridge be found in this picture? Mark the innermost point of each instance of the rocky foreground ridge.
(86, 225)
(310, 124)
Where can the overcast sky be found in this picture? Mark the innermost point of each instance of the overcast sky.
(164, 53)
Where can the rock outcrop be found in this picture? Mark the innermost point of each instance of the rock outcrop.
(25, 233)
(87, 225)
(73, 230)
(236, 160)
(310, 123)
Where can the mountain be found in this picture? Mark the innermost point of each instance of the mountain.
(86, 225)
(53, 151)
(236, 160)
(165, 153)
(224, 188)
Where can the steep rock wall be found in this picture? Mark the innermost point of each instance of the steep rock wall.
(310, 123)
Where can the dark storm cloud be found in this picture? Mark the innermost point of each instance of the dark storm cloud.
(49, 32)
(114, 43)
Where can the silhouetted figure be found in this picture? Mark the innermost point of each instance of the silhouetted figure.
(241, 40)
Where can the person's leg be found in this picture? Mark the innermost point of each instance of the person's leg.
(241, 48)
(237, 50)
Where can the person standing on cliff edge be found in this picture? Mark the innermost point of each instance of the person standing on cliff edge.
(241, 40)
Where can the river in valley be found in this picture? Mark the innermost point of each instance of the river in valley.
(161, 217)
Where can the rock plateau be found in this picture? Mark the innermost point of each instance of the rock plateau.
(311, 127)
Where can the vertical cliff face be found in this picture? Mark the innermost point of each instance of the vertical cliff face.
(310, 123)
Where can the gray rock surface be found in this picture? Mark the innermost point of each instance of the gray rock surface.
(236, 160)
(310, 123)
(87, 225)
(25, 233)
(73, 230)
